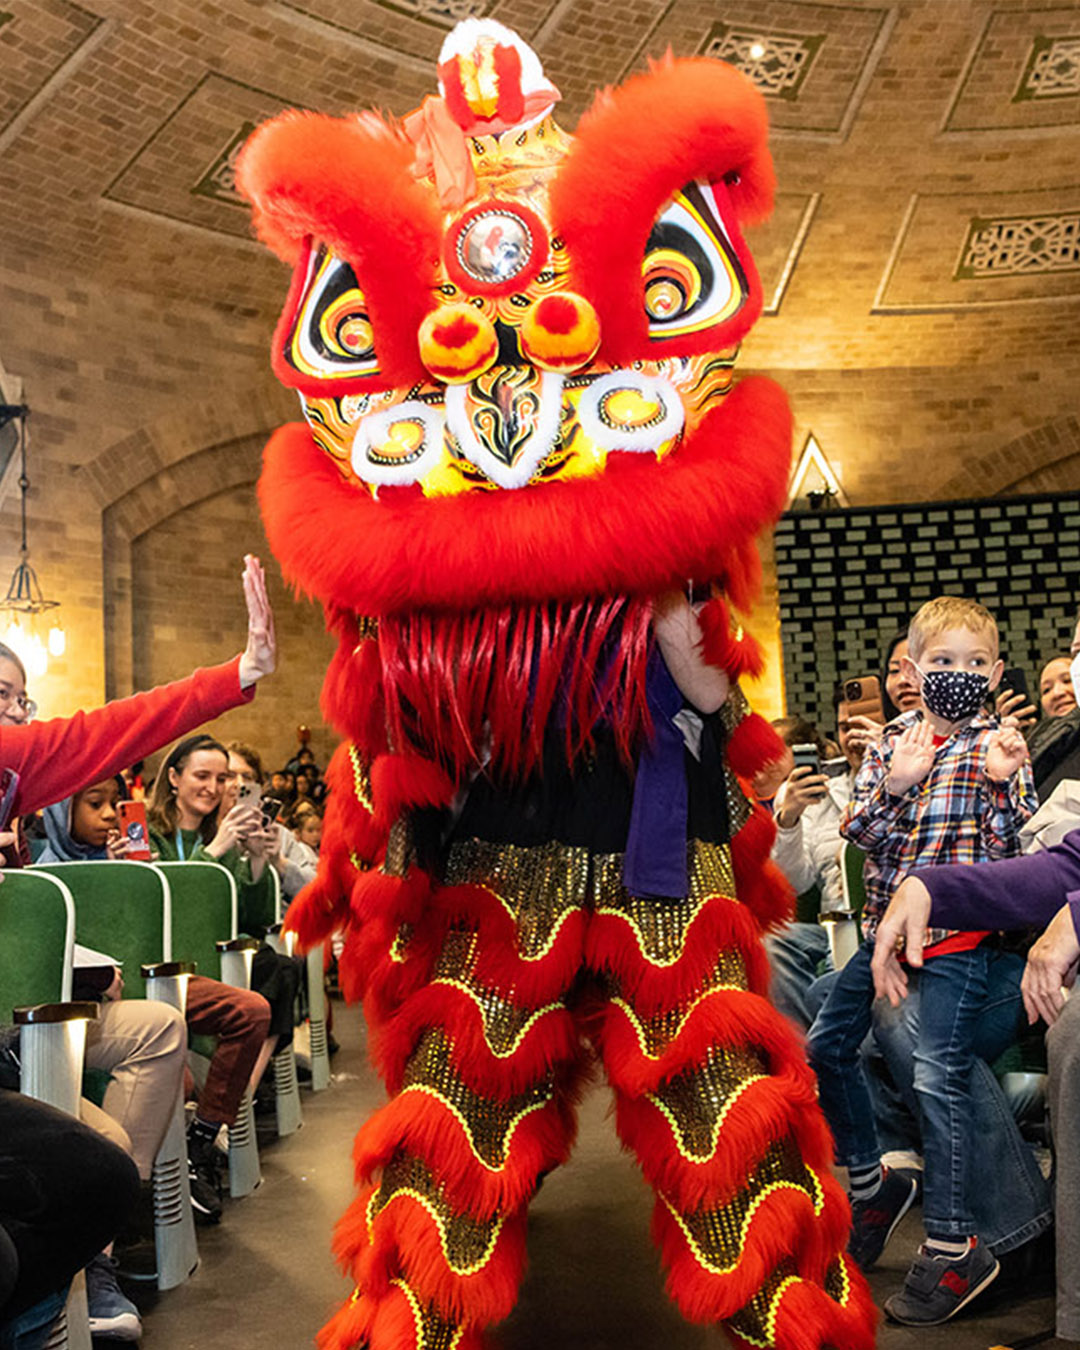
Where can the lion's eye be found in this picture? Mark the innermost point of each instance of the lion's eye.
(691, 275)
(331, 337)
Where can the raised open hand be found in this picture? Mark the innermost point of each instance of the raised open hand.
(1006, 751)
(912, 758)
(260, 654)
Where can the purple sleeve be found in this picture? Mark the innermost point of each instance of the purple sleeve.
(1012, 893)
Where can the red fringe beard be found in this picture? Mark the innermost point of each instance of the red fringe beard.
(487, 683)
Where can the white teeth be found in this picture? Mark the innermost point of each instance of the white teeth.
(544, 414)
(398, 445)
(601, 424)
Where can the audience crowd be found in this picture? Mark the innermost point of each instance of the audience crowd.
(913, 962)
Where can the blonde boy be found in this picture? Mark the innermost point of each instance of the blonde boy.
(946, 784)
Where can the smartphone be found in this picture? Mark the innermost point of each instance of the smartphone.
(863, 697)
(1016, 680)
(807, 757)
(134, 830)
(248, 794)
(270, 808)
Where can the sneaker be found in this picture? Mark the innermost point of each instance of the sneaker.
(111, 1314)
(936, 1288)
(204, 1181)
(874, 1221)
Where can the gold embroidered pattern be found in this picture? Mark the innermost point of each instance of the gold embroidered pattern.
(467, 1243)
(539, 887)
(737, 804)
(655, 1034)
(717, 1237)
(756, 1321)
(660, 927)
(432, 1331)
(697, 1102)
(838, 1281)
(733, 709)
(366, 628)
(361, 779)
(489, 1125)
(505, 1024)
(400, 849)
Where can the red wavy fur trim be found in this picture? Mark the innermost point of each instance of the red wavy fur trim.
(764, 1113)
(401, 783)
(808, 1319)
(499, 964)
(550, 1040)
(686, 121)
(558, 541)
(425, 1126)
(783, 1225)
(720, 925)
(720, 1017)
(406, 1240)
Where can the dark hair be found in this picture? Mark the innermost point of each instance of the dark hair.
(798, 731)
(250, 756)
(6, 654)
(162, 812)
(889, 707)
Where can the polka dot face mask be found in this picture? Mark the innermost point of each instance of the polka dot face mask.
(953, 695)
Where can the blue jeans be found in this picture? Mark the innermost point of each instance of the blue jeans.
(795, 952)
(975, 999)
(832, 1046)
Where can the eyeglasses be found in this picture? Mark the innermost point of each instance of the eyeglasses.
(26, 706)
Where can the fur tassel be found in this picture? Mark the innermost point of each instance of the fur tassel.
(720, 925)
(558, 541)
(319, 909)
(767, 893)
(352, 690)
(402, 783)
(753, 744)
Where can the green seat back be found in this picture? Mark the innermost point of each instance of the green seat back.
(37, 930)
(852, 862)
(203, 912)
(122, 909)
(260, 906)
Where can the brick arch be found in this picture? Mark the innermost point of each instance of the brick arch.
(1046, 459)
(152, 498)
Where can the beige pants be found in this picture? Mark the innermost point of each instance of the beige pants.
(143, 1046)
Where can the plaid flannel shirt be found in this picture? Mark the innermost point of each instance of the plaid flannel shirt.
(955, 815)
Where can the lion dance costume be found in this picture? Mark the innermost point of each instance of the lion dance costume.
(514, 352)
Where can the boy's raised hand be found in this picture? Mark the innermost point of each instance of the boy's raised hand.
(1006, 751)
(912, 758)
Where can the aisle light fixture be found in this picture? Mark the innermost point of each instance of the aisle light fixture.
(24, 600)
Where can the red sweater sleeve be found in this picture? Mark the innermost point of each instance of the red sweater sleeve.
(56, 758)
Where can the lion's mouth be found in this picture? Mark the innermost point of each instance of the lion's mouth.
(514, 425)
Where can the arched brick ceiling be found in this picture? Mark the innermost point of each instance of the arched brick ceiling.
(927, 153)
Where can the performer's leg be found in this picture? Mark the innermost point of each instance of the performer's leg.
(715, 1098)
(482, 1058)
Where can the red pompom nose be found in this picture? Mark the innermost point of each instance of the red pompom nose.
(560, 332)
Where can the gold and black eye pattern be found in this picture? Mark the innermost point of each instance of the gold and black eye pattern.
(332, 336)
(692, 278)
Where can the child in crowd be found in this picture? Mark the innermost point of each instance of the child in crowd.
(86, 828)
(945, 784)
